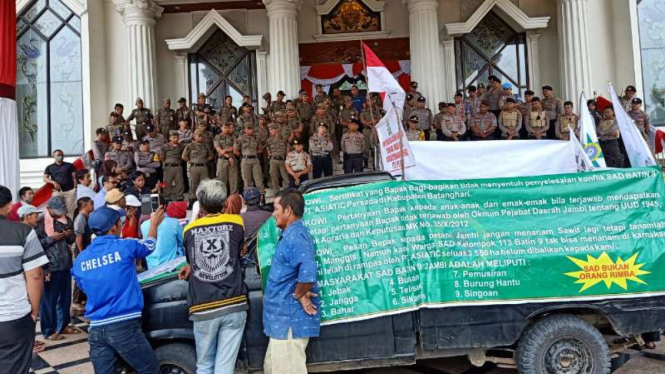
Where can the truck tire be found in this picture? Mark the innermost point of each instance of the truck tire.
(176, 358)
(563, 344)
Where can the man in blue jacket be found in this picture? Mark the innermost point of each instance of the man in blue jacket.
(106, 272)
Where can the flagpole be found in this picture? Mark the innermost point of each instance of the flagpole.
(371, 111)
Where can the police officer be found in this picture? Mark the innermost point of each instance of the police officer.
(148, 162)
(472, 102)
(247, 146)
(171, 157)
(165, 120)
(409, 105)
(641, 119)
(201, 110)
(284, 128)
(298, 164)
(627, 98)
(122, 158)
(292, 120)
(276, 147)
(228, 113)
(567, 121)
(484, 123)
(414, 133)
(370, 116)
(227, 164)
(352, 147)
(116, 120)
(413, 91)
(452, 125)
(537, 122)
(277, 106)
(128, 142)
(305, 109)
(267, 97)
(493, 95)
(100, 145)
(346, 114)
(425, 116)
(608, 136)
(142, 116)
(183, 113)
(155, 139)
(510, 120)
(320, 96)
(263, 133)
(320, 147)
(197, 154)
(554, 108)
(462, 110)
(247, 117)
(524, 108)
(438, 120)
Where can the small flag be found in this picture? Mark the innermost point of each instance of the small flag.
(381, 80)
(588, 137)
(580, 153)
(637, 149)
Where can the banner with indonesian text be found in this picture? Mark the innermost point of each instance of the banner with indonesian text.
(390, 247)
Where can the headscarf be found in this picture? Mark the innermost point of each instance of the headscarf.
(233, 204)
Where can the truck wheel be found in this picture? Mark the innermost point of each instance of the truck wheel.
(176, 358)
(563, 344)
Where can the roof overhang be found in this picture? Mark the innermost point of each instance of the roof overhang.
(505, 7)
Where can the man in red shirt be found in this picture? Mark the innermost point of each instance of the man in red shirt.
(26, 194)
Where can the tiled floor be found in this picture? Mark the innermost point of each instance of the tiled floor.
(69, 356)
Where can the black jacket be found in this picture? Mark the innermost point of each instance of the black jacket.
(58, 252)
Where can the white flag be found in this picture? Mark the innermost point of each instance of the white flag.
(581, 155)
(394, 144)
(381, 80)
(588, 136)
(638, 151)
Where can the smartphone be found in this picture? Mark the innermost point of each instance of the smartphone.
(154, 202)
(146, 206)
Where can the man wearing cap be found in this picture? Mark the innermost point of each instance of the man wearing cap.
(247, 117)
(228, 112)
(254, 216)
(493, 95)
(370, 116)
(227, 164)
(627, 98)
(114, 308)
(61, 176)
(155, 139)
(298, 164)
(128, 143)
(247, 147)
(320, 147)
(409, 105)
(413, 133)
(293, 121)
(122, 158)
(100, 145)
(352, 146)
(21, 280)
(202, 109)
(56, 234)
(413, 90)
(320, 96)
(554, 108)
(171, 158)
(525, 108)
(267, 97)
(641, 119)
(277, 106)
(28, 215)
(142, 116)
(197, 154)
(183, 113)
(116, 120)
(165, 120)
(346, 114)
(452, 125)
(507, 92)
(567, 121)
(472, 102)
(425, 116)
(510, 120)
(537, 121)
(462, 110)
(483, 124)
(276, 148)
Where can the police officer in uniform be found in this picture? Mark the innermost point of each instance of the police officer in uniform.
(197, 155)
(100, 145)
(284, 128)
(264, 133)
(228, 113)
(142, 116)
(627, 98)
(438, 120)
(370, 116)
(298, 164)
(452, 125)
(278, 106)
(276, 148)
(483, 124)
(608, 136)
(409, 105)
(155, 139)
(247, 146)
(641, 119)
(293, 122)
(413, 91)
(472, 102)
(128, 142)
(493, 95)
(305, 109)
(183, 113)
(462, 110)
(320, 147)
(346, 114)
(201, 110)
(414, 133)
(247, 117)
(537, 122)
(227, 164)
(510, 120)
(320, 96)
(554, 108)
(425, 116)
(171, 157)
(524, 108)
(116, 120)
(567, 121)
(122, 158)
(148, 162)
(165, 120)
(352, 147)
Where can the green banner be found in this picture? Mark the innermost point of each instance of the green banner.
(390, 247)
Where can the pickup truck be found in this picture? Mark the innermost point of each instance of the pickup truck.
(576, 337)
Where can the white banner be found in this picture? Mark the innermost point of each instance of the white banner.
(491, 159)
(9, 152)
(637, 149)
(389, 131)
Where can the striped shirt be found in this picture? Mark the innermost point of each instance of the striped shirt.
(20, 251)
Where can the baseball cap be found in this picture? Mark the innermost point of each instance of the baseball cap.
(57, 204)
(507, 86)
(132, 201)
(251, 195)
(113, 196)
(102, 219)
(26, 210)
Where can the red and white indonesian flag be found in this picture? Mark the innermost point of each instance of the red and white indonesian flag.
(381, 80)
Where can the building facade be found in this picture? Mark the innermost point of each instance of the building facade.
(77, 58)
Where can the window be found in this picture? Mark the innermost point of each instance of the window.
(652, 45)
(492, 48)
(222, 68)
(49, 91)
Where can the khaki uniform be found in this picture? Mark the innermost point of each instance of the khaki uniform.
(123, 159)
(141, 116)
(537, 121)
(198, 155)
(183, 114)
(305, 112)
(510, 121)
(345, 116)
(277, 147)
(564, 122)
(250, 167)
(115, 125)
(320, 99)
(293, 124)
(452, 125)
(157, 142)
(415, 135)
(369, 129)
(642, 121)
(608, 136)
(247, 119)
(228, 113)
(166, 118)
(174, 181)
(276, 106)
(352, 145)
(227, 166)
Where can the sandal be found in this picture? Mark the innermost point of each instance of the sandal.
(55, 337)
(69, 330)
(38, 347)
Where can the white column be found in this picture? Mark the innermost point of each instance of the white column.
(450, 70)
(574, 56)
(284, 63)
(533, 60)
(140, 18)
(181, 77)
(261, 75)
(86, 82)
(426, 58)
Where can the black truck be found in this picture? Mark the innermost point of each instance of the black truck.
(536, 338)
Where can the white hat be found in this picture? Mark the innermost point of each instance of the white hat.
(131, 200)
(26, 210)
